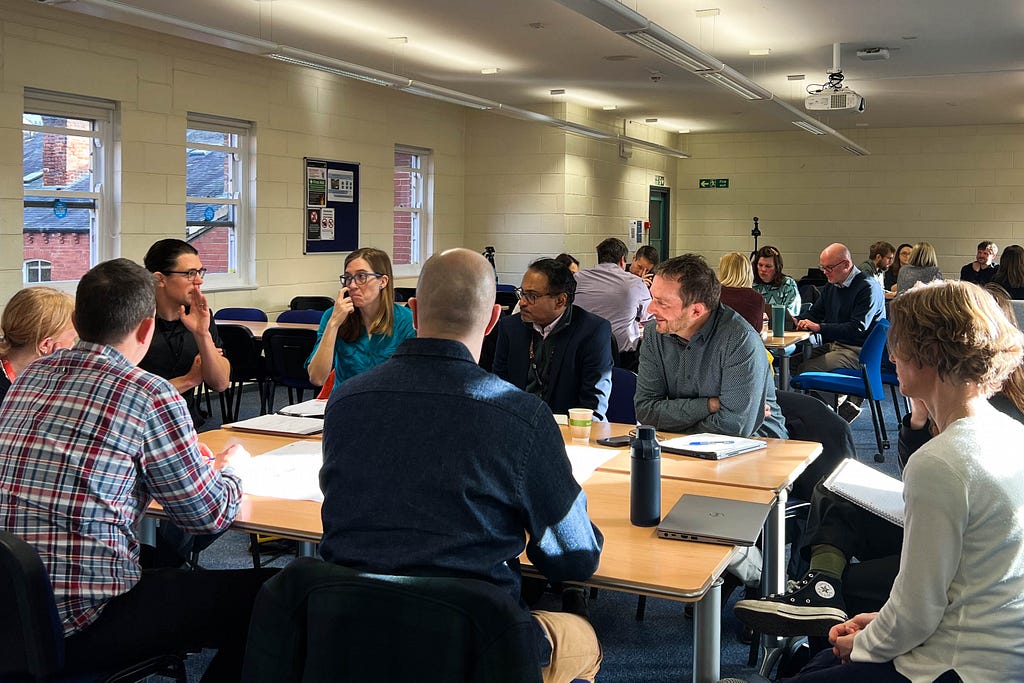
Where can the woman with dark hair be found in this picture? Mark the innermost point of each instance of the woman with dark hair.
(569, 261)
(365, 325)
(892, 274)
(777, 288)
(1010, 275)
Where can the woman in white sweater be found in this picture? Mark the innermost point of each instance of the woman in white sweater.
(957, 606)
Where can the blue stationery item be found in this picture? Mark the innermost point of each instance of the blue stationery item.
(708, 443)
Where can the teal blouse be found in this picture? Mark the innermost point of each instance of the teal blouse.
(785, 294)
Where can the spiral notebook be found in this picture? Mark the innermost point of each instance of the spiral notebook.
(868, 488)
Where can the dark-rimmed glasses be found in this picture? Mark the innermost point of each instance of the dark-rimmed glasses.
(189, 274)
(359, 278)
(829, 269)
(530, 297)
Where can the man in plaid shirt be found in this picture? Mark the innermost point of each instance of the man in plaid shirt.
(87, 440)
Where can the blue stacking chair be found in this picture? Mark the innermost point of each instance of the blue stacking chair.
(248, 314)
(620, 404)
(301, 315)
(867, 385)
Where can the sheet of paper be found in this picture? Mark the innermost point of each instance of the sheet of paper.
(311, 408)
(280, 424)
(586, 459)
(290, 472)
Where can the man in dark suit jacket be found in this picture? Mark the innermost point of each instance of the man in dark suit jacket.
(552, 348)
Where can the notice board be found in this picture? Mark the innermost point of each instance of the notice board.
(331, 221)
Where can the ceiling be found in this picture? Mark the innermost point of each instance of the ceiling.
(951, 62)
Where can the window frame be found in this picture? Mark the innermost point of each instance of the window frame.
(243, 275)
(424, 239)
(36, 264)
(105, 233)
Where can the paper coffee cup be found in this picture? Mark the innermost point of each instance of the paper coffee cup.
(580, 420)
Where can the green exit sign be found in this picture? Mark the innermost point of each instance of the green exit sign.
(709, 183)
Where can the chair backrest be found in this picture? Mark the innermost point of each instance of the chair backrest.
(309, 316)
(242, 351)
(505, 288)
(1018, 312)
(507, 300)
(315, 303)
(250, 314)
(30, 631)
(319, 621)
(620, 403)
(286, 350)
(808, 419)
(404, 293)
(871, 359)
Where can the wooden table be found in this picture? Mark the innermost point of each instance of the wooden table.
(633, 559)
(258, 327)
(783, 347)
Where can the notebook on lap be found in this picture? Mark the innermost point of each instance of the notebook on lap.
(714, 520)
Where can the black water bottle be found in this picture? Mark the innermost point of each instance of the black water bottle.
(645, 478)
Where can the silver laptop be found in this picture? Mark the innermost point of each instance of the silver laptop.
(714, 520)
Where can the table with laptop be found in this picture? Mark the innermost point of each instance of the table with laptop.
(634, 558)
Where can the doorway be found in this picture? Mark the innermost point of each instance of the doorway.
(657, 211)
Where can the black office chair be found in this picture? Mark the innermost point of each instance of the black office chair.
(317, 621)
(247, 365)
(620, 404)
(404, 293)
(315, 303)
(507, 300)
(286, 350)
(31, 636)
(308, 316)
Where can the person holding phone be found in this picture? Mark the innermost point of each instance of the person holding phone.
(365, 325)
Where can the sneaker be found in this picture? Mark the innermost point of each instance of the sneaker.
(849, 411)
(811, 610)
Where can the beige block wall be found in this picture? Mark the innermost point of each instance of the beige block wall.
(949, 186)
(533, 191)
(157, 80)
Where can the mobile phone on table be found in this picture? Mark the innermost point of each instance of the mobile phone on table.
(615, 441)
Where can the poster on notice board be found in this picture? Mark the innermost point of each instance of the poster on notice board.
(332, 206)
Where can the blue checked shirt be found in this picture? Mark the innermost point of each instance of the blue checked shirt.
(87, 439)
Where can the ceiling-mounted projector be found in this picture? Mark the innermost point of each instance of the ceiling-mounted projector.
(834, 99)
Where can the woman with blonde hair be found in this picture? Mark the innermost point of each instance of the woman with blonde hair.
(365, 325)
(956, 608)
(36, 322)
(923, 266)
(737, 278)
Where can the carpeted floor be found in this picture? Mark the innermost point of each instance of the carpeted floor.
(657, 649)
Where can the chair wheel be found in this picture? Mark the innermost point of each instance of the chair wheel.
(879, 457)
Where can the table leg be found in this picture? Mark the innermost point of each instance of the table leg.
(784, 372)
(707, 635)
(307, 549)
(773, 574)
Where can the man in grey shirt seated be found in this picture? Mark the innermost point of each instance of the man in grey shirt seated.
(702, 367)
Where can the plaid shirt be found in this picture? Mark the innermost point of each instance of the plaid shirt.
(87, 439)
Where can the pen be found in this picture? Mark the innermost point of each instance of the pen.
(709, 443)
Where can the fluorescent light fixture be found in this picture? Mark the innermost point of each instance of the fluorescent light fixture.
(611, 14)
(855, 150)
(339, 68)
(809, 127)
(678, 51)
(435, 92)
(654, 147)
(737, 83)
(760, 52)
(117, 11)
(586, 131)
(609, 107)
(489, 70)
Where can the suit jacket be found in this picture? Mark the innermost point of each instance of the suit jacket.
(580, 374)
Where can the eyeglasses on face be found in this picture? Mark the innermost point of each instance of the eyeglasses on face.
(189, 274)
(530, 297)
(829, 269)
(359, 278)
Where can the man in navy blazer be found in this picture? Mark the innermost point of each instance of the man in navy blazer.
(553, 349)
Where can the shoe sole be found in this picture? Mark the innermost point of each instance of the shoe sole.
(779, 619)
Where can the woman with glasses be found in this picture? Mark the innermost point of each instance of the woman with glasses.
(365, 325)
(893, 273)
(923, 266)
(777, 288)
(36, 322)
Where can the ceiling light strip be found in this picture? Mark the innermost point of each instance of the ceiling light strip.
(809, 127)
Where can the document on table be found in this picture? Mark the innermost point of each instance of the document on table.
(586, 459)
(312, 408)
(280, 424)
(291, 472)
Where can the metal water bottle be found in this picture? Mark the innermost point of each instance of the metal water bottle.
(645, 478)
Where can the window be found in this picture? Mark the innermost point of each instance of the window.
(37, 270)
(413, 201)
(218, 202)
(70, 221)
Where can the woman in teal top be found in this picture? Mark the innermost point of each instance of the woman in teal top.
(365, 325)
(777, 288)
